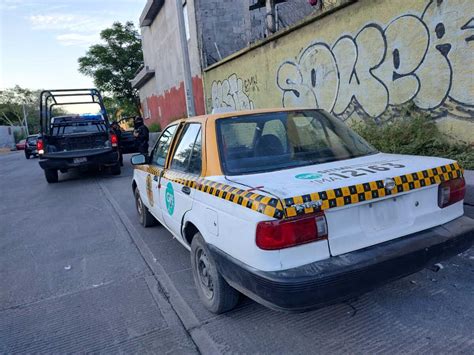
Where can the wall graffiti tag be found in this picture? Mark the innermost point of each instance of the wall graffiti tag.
(426, 59)
(230, 93)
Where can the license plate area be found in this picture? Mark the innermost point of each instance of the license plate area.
(79, 160)
(386, 214)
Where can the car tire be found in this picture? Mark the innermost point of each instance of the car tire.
(115, 170)
(216, 294)
(51, 175)
(144, 215)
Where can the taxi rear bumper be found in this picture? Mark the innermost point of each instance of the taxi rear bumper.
(345, 276)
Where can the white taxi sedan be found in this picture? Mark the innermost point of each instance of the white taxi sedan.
(295, 210)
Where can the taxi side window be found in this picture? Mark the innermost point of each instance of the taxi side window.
(187, 157)
(162, 147)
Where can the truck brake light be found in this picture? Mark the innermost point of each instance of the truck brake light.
(113, 140)
(451, 191)
(40, 146)
(280, 234)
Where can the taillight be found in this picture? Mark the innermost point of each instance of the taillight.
(451, 191)
(113, 140)
(285, 233)
(40, 146)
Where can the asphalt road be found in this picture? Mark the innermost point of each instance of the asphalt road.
(78, 273)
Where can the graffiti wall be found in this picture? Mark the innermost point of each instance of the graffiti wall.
(362, 62)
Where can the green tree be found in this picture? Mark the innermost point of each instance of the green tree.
(12, 103)
(119, 108)
(114, 63)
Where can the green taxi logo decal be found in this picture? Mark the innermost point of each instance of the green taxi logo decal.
(308, 176)
(149, 190)
(169, 198)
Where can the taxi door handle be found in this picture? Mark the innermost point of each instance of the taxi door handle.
(186, 190)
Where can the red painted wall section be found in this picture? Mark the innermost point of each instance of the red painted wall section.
(171, 104)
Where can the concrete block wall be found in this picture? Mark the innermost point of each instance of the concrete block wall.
(289, 13)
(225, 23)
(231, 26)
(7, 137)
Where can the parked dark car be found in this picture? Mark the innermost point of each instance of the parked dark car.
(128, 142)
(21, 144)
(30, 146)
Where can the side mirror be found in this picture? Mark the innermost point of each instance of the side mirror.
(138, 159)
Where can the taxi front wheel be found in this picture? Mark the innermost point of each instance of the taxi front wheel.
(213, 290)
(146, 218)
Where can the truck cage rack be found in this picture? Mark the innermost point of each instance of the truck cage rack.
(48, 100)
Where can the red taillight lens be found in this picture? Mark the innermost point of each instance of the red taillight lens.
(451, 191)
(40, 146)
(113, 140)
(273, 235)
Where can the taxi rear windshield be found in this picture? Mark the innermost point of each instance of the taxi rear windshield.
(283, 140)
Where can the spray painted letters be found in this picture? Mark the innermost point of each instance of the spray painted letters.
(425, 58)
(230, 93)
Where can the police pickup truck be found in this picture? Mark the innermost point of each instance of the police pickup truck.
(75, 140)
(294, 209)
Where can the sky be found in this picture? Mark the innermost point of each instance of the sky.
(41, 40)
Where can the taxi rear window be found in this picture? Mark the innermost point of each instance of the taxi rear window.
(283, 140)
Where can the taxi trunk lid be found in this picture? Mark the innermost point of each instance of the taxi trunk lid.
(360, 210)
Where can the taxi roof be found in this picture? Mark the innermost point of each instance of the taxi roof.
(211, 161)
(215, 116)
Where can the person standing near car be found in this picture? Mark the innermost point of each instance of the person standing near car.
(115, 128)
(142, 135)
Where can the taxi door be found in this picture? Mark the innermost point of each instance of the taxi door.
(157, 163)
(185, 164)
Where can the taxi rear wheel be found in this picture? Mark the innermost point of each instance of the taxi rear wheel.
(145, 217)
(213, 290)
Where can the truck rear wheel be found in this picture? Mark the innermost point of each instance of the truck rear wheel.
(51, 175)
(216, 294)
(115, 170)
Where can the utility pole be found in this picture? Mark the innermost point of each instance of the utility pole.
(270, 18)
(25, 120)
(188, 80)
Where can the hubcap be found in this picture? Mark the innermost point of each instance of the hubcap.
(139, 206)
(203, 272)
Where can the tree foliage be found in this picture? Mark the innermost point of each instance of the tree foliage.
(114, 63)
(13, 100)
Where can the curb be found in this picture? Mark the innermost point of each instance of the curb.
(469, 177)
(204, 343)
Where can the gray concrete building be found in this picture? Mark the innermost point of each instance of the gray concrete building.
(214, 29)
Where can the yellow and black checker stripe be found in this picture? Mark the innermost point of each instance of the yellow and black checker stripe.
(266, 205)
(154, 170)
(333, 198)
(371, 190)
